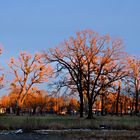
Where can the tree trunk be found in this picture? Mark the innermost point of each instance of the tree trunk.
(132, 106)
(125, 106)
(117, 101)
(90, 115)
(17, 108)
(102, 105)
(121, 107)
(81, 105)
(34, 110)
(136, 103)
(117, 106)
(18, 111)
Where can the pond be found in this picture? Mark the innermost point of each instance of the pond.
(36, 136)
(30, 136)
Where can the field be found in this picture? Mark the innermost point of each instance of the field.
(52, 122)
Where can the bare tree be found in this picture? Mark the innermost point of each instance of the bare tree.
(28, 71)
(91, 63)
(2, 76)
(133, 80)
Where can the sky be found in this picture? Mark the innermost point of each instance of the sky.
(35, 25)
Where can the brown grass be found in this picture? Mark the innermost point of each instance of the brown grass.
(69, 122)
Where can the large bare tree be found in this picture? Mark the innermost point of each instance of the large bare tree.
(93, 62)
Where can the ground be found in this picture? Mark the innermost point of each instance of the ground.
(125, 127)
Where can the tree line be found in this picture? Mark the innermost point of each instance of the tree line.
(88, 66)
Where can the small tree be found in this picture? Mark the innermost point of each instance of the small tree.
(2, 76)
(133, 80)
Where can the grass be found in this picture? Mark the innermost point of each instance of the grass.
(105, 135)
(69, 122)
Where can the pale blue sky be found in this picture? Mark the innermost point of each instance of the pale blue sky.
(34, 25)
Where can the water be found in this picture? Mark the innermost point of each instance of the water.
(31, 136)
(35, 136)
